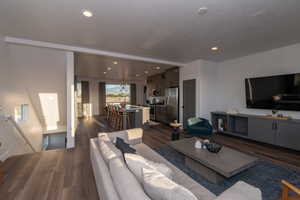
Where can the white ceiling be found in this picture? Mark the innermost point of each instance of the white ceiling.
(94, 66)
(162, 29)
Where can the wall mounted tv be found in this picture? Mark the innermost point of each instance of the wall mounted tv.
(274, 92)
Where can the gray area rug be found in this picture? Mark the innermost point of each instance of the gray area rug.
(265, 175)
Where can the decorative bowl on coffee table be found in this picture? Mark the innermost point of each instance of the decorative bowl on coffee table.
(213, 147)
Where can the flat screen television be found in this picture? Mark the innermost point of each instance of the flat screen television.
(274, 92)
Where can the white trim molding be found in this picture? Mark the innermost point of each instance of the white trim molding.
(71, 117)
(15, 40)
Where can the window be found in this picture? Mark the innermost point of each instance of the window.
(49, 103)
(22, 113)
(116, 94)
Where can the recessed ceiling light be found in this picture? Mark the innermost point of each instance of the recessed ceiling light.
(157, 67)
(202, 10)
(109, 68)
(87, 13)
(215, 48)
(137, 75)
(146, 72)
(115, 62)
(104, 72)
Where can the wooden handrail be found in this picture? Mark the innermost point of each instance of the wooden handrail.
(285, 190)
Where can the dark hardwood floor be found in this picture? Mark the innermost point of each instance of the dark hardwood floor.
(54, 174)
(68, 175)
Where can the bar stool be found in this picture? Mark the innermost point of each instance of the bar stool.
(119, 120)
(114, 117)
(106, 112)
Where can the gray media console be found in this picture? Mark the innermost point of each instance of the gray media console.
(284, 133)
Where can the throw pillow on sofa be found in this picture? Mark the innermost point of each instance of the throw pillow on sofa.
(124, 181)
(136, 163)
(109, 151)
(124, 147)
(160, 187)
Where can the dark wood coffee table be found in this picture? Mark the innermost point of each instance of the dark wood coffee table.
(214, 167)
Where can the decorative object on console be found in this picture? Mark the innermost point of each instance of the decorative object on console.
(220, 125)
(233, 111)
(279, 117)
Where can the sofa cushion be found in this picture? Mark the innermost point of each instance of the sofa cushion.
(105, 186)
(136, 163)
(103, 137)
(125, 182)
(241, 191)
(160, 187)
(178, 176)
(124, 147)
(109, 151)
(130, 136)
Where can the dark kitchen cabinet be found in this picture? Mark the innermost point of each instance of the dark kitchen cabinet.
(156, 83)
(159, 82)
(172, 77)
(262, 129)
(161, 113)
(288, 134)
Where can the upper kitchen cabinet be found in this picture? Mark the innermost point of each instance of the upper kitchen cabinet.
(172, 77)
(156, 85)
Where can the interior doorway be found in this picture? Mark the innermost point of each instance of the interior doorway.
(189, 100)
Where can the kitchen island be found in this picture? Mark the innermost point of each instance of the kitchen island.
(138, 115)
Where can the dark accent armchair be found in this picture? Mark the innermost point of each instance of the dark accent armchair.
(199, 127)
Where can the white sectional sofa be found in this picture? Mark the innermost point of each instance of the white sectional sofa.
(107, 189)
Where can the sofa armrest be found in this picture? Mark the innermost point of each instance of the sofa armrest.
(241, 191)
(131, 136)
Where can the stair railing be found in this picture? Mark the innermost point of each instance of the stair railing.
(9, 118)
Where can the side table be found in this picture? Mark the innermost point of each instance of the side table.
(175, 134)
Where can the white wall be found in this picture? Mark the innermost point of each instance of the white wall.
(231, 74)
(221, 87)
(41, 70)
(94, 91)
(12, 94)
(204, 72)
(25, 72)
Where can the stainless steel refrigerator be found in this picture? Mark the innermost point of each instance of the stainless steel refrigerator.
(172, 106)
